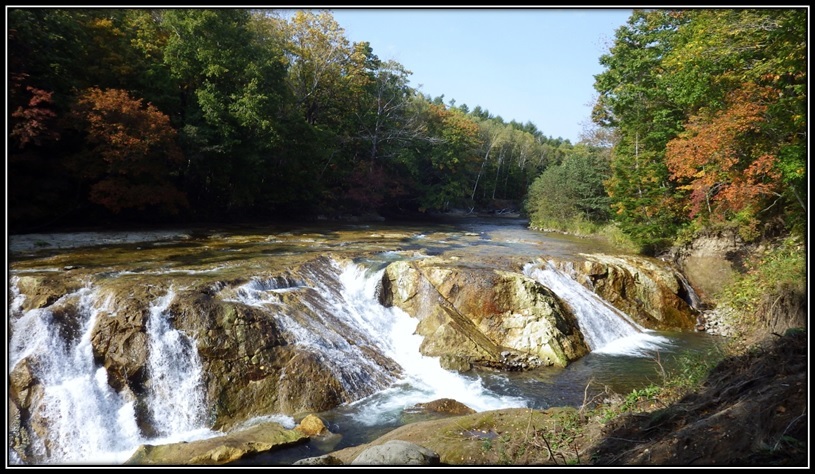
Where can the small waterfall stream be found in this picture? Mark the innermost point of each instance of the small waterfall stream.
(176, 399)
(605, 328)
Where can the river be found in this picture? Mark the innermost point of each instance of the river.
(620, 362)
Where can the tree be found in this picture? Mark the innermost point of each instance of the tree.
(386, 123)
(722, 58)
(444, 160)
(571, 191)
(132, 154)
(318, 57)
(34, 122)
(634, 100)
(233, 94)
(724, 161)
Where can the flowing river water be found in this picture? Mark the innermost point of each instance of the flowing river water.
(91, 423)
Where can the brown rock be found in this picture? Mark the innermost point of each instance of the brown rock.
(312, 425)
(220, 450)
(447, 406)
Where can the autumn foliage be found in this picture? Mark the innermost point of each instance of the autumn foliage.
(721, 159)
(34, 121)
(132, 152)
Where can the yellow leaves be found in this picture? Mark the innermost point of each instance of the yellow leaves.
(102, 23)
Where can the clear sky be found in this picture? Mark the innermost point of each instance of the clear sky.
(525, 64)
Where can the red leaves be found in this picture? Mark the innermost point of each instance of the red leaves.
(34, 119)
(723, 159)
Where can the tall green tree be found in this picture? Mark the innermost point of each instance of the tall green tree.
(232, 89)
(634, 100)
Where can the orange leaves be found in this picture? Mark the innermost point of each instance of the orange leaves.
(723, 158)
(137, 146)
(122, 129)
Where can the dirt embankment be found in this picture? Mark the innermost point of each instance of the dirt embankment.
(752, 411)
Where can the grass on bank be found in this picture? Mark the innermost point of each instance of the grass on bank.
(581, 227)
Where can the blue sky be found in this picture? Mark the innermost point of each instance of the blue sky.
(535, 65)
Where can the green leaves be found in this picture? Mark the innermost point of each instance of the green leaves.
(674, 80)
(571, 190)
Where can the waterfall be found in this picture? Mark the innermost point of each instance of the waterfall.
(688, 293)
(423, 378)
(85, 418)
(176, 398)
(605, 328)
(320, 322)
(344, 322)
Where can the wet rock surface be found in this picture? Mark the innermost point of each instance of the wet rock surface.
(482, 312)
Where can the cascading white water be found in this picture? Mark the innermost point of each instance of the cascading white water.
(605, 328)
(321, 326)
(423, 378)
(176, 400)
(346, 309)
(87, 421)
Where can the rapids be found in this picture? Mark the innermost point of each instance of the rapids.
(81, 419)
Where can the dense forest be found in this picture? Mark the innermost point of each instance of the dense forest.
(159, 115)
(138, 115)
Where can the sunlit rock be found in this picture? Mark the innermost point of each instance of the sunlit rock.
(484, 317)
(219, 450)
(312, 425)
(648, 290)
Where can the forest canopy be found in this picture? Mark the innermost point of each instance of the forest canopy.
(150, 115)
(139, 115)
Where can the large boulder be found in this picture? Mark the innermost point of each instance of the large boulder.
(471, 315)
(397, 453)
